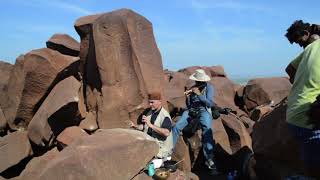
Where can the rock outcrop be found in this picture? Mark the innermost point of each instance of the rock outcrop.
(30, 79)
(65, 44)
(121, 65)
(59, 110)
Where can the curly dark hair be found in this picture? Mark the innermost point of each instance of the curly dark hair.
(296, 30)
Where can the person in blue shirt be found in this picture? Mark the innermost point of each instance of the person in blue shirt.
(199, 100)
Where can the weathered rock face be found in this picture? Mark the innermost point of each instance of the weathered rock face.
(220, 136)
(264, 90)
(70, 134)
(30, 79)
(237, 132)
(3, 121)
(65, 44)
(94, 156)
(181, 152)
(89, 123)
(37, 164)
(121, 64)
(58, 111)
(174, 86)
(13, 148)
(5, 69)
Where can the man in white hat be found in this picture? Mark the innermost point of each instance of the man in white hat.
(199, 103)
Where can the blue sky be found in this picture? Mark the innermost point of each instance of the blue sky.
(246, 37)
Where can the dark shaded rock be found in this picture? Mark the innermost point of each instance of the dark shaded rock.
(14, 148)
(65, 44)
(58, 111)
(258, 112)
(121, 65)
(274, 146)
(30, 79)
(238, 135)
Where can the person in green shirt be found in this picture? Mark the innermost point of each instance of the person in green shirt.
(304, 72)
(302, 34)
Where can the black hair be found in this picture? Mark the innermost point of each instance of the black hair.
(297, 29)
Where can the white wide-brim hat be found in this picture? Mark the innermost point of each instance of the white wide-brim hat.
(200, 75)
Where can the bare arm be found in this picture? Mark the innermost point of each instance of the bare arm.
(162, 131)
(291, 71)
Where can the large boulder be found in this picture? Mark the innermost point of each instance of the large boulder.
(58, 111)
(237, 132)
(263, 91)
(220, 136)
(174, 86)
(65, 44)
(107, 154)
(14, 148)
(121, 65)
(181, 153)
(272, 140)
(30, 79)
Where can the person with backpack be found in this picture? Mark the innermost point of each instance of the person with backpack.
(199, 100)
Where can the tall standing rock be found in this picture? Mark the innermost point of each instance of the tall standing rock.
(64, 44)
(121, 64)
(30, 79)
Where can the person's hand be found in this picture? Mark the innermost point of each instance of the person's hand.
(131, 124)
(196, 91)
(146, 120)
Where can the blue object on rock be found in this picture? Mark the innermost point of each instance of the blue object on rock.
(151, 169)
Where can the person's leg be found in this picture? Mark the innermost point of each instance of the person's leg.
(309, 144)
(311, 153)
(181, 123)
(207, 137)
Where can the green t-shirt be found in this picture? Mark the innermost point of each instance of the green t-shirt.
(306, 86)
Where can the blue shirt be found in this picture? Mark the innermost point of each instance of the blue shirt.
(204, 100)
